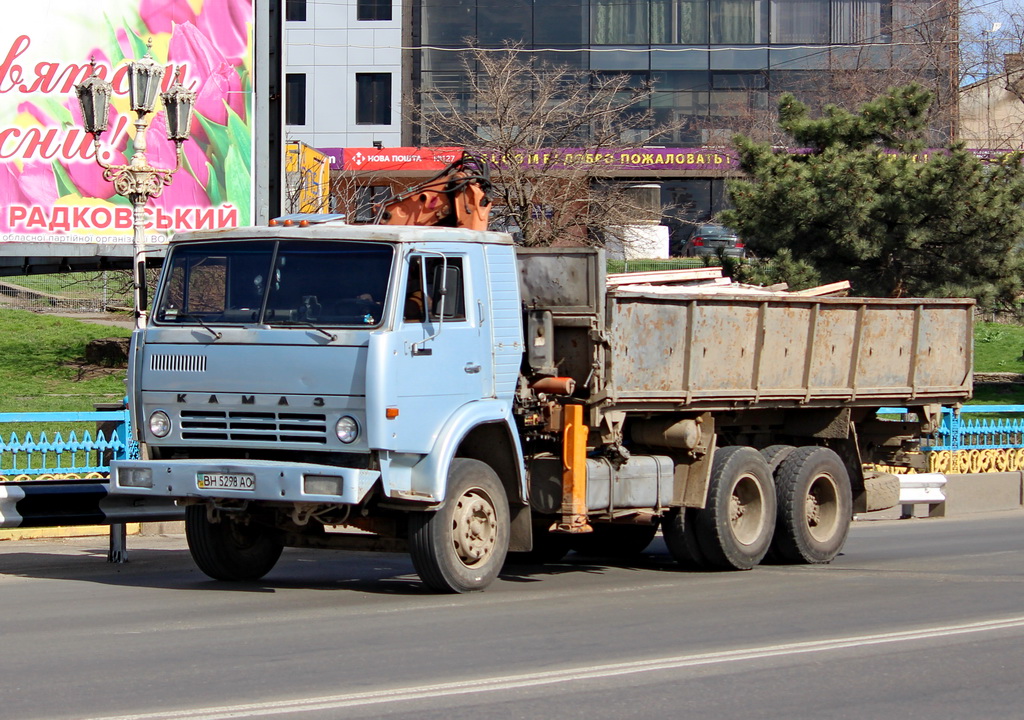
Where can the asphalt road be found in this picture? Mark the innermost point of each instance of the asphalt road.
(916, 619)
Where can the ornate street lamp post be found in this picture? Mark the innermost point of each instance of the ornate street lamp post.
(138, 181)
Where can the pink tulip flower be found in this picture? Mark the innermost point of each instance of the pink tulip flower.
(160, 16)
(185, 190)
(32, 186)
(217, 84)
(225, 22)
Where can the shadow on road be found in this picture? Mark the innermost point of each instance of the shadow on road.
(168, 565)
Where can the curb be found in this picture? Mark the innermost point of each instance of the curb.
(51, 533)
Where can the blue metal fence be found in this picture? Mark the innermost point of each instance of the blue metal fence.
(83, 450)
(58, 476)
(1002, 428)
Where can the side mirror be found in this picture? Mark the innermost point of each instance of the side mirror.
(447, 290)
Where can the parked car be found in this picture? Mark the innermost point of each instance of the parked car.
(712, 238)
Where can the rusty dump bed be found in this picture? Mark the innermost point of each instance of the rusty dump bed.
(727, 351)
(659, 348)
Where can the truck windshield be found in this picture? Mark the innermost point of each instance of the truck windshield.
(302, 283)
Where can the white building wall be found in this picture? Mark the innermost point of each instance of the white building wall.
(330, 47)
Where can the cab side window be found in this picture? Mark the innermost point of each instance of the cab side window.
(444, 292)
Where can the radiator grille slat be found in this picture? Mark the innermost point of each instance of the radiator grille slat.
(254, 426)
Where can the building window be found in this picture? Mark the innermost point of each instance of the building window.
(373, 10)
(373, 98)
(500, 21)
(295, 99)
(448, 22)
(559, 24)
(614, 22)
(679, 22)
(738, 22)
(799, 21)
(295, 10)
(861, 21)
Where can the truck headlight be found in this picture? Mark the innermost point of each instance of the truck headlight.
(159, 424)
(347, 429)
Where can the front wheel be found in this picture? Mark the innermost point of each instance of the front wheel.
(230, 550)
(461, 546)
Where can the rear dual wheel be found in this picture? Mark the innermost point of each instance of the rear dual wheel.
(679, 528)
(815, 506)
(734, 529)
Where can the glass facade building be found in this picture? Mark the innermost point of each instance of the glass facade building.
(717, 62)
(717, 66)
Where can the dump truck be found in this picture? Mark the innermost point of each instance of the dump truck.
(441, 391)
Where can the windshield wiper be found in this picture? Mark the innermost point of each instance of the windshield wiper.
(311, 326)
(188, 316)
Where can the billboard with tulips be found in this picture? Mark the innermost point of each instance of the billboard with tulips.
(51, 186)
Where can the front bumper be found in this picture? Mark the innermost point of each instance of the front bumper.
(271, 480)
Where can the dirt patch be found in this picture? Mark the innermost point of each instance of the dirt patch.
(998, 378)
(108, 352)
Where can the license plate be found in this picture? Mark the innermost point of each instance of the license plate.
(225, 481)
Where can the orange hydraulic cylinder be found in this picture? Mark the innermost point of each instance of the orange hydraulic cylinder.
(555, 385)
(574, 472)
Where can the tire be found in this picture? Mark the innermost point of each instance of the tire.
(775, 454)
(614, 541)
(815, 506)
(679, 530)
(462, 546)
(228, 550)
(735, 529)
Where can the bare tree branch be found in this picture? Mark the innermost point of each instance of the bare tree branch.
(546, 129)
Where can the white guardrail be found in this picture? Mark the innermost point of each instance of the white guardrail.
(921, 488)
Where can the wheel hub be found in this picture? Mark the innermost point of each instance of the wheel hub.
(474, 527)
(821, 507)
(746, 510)
(812, 510)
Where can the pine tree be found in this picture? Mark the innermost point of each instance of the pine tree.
(862, 200)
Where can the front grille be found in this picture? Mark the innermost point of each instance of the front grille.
(254, 426)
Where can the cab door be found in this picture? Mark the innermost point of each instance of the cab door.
(439, 357)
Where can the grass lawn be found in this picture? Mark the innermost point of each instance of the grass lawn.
(42, 369)
(998, 348)
(41, 364)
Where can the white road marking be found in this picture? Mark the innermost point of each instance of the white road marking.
(550, 677)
